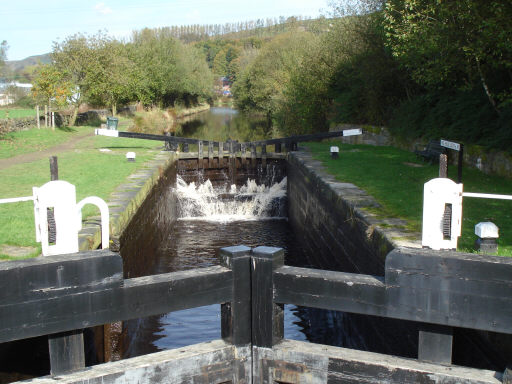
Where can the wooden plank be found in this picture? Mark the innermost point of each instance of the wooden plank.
(450, 288)
(298, 138)
(338, 291)
(314, 363)
(140, 297)
(445, 288)
(53, 276)
(267, 316)
(147, 136)
(205, 363)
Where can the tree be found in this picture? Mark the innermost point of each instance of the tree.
(262, 84)
(3, 55)
(167, 71)
(50, 84)
(454, 43)
(110, 79)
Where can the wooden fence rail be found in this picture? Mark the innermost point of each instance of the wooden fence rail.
(232, 147)
(442, 289)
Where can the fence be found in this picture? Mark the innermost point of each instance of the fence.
(231, 147)
(441, 289)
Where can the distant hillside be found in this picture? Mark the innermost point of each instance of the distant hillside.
(19, 65)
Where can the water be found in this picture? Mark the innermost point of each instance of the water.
(226, 203)
(212, 217)
(221, 124)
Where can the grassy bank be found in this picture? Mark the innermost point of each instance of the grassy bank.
(93, 172)
(15, 113)
(395, 178)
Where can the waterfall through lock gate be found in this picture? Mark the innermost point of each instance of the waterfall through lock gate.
(228, 202)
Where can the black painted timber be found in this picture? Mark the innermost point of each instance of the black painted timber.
(144, 296)
(267, 315)
(445, 288)
(236, 315)
(340, 291)
(290, 141)
(66, 352)
(54, 276)
(450, 288)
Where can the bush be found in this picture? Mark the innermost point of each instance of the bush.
(464, 116)
(154, 121)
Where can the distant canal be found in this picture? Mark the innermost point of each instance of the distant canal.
(221, 124)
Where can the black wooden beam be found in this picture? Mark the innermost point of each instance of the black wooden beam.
(297, 139)
(433, 287)
(339, 291)
(140, 297)
(147, 136)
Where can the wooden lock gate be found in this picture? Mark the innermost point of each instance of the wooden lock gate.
(64, 293)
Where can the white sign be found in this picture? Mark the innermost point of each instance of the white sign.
(106, 132)
(335, 149)
(352, 132)
(450, 144)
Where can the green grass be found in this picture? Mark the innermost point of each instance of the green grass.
(382, 172)
(15, 113)
(33, 140)
(94, 173)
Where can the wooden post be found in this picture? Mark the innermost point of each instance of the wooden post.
(243, 154)
(54, 168)
(267, 317)
(221, 154)
(185, 147)
(236, 315)
(443, 166)
(232, 162)
(46, 116)
(37, 117)
(253, 155)
(66, 349)
(435, 344)
(278, 148)
(199, 153)
(210, 154)
(459, 164)
(66, 352)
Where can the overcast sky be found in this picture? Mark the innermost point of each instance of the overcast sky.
(30, 26)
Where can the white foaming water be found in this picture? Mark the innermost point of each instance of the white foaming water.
(229, 203)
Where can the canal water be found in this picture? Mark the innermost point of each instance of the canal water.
(212, 217)
(216, 216)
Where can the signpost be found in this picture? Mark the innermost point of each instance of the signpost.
(459, 148)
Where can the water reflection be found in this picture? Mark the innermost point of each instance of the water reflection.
(221, 124)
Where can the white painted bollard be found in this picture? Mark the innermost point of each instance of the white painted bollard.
(60, 196)
(442, 214)
(488, 234)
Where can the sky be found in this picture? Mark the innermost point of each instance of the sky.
(31, 26)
